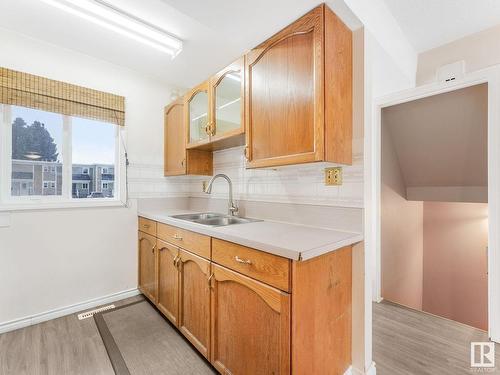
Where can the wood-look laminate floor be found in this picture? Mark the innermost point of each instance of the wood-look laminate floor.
(410, 342)
(68, 346)
(60, 346)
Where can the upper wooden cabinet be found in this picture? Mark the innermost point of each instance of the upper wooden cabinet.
(299, 94)
(197, 105)
(227, 90)
(215, 110)
(178, 160)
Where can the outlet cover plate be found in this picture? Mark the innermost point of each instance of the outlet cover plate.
(333, 176)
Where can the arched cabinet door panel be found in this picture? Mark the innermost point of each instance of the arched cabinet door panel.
(147, 266)
(194, 298)
(250, 324)
(298, 99)
(196, 109)
(168, 280)
(174, 140)
(227, 91)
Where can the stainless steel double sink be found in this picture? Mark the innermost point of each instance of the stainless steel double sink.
(214, 219)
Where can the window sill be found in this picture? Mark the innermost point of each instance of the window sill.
(30, 206)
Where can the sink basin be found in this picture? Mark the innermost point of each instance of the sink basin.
(213, 219)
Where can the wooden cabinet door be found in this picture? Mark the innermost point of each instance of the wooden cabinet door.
(194, 311)
(147, 266)
(197, 117)
(250, 324)
(227, 90)
(284, 95)
(168, 280)
(175, 140)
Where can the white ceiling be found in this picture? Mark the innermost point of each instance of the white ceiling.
(430, 23)
(441, 141)
(214, 32)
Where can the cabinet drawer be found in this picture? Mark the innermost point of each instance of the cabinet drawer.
(268, 268)
(194, 242)
(147, 226)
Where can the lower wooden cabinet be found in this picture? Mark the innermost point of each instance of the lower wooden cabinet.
(271, 317)
(168, 280)
(194, 295)
(250, 324)
(147, 266)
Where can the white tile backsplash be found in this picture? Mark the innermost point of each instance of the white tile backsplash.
(301, 184)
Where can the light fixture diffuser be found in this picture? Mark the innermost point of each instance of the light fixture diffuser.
(108, 16)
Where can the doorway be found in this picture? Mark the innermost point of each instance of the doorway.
(434, 205)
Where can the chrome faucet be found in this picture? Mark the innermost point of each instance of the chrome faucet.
(233, 208)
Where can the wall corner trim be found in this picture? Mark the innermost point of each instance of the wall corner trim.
(66, 310)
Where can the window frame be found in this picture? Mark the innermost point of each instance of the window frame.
(65, 200)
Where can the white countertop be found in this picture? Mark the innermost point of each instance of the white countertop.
(293, 241)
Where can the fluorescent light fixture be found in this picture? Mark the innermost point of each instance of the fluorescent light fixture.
(108, 16)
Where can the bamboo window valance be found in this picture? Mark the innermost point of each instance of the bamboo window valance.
(27, 90)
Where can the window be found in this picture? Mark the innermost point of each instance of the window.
(51, 157)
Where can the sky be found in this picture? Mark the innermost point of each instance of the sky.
(93, 142)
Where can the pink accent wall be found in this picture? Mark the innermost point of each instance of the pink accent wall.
(401, 234)
(455, 280)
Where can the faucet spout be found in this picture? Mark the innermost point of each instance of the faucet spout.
(232, 207)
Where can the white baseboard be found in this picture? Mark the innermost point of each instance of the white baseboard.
(354, 371)
(372, 370)
(62, 311)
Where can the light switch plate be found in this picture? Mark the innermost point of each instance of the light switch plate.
(333, 176)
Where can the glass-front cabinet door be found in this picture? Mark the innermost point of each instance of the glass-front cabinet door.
(197, 116)
(227, 102)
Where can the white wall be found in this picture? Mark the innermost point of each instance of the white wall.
(479, 51)
(51, 259)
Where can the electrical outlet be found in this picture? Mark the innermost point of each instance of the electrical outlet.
(333, 176)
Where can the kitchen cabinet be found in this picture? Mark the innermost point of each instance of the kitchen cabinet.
(194, 297)
(215, 110)
(227, 107)
(298, 96)
(177, 159)
(168, 280)
(250, 324)
(197, 104)
(147, 266)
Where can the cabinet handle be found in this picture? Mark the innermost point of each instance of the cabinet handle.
(182, 162)
(177, 237)
(175, 260)
(153, 249)
(212, 129)
(146, 226)
(244, 261)
(246, 153)
(210, 280)
(207, 128)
